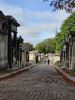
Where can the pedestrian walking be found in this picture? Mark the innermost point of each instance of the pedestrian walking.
(45, 61)
(48, 61)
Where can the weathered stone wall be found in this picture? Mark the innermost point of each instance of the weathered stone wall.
(24, 63)
(32, 56)
(54, 57)
(3, 50)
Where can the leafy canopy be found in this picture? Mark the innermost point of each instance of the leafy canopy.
(46, 46)
(56, 44)
(67, 26)
(68, 5)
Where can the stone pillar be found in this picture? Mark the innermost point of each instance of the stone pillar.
(61, 57)
(15, 45)
(64, 58)
(9, 46)
(67, 56)
(70, 51)
(27, 57)
(18, 52)
(20, 56)
(67, 52)
(73, 56)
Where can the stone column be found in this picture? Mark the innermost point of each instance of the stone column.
(9, 46)
(15, 44)
(18, 53)
(61, 58)
(64, 56)
(70, 51)
(67, 56)
(73, 56)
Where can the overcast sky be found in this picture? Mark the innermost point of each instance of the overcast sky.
(37, 19)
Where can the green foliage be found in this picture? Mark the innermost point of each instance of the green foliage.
(59, 37)
(67, 26)
(56, 44)
(46, 46)
(68, 5)
(68, 22)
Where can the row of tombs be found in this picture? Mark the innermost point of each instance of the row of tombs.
(67, 57)
(12, 49)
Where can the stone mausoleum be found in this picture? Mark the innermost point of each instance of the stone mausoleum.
(8, 41)
(68, 52)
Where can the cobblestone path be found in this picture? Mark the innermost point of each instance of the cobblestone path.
(39, 83)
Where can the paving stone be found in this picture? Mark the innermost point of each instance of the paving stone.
(39, 83)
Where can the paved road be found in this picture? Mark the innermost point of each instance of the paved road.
(39, 83)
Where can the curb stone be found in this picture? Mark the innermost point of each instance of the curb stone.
(13, 74)
(66, 77)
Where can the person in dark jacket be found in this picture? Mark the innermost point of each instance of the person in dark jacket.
(48, 61)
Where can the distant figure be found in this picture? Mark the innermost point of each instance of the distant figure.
(45, 61)
(48, 61)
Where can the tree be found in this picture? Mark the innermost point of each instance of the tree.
(64, 31)
(40, 47)
(58, 40)
(67, 23)
(68, 5)
(46, 46)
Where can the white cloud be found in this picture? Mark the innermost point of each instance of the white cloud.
(34, 23)
(36, 29)
(46, 22)
(47, 15)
